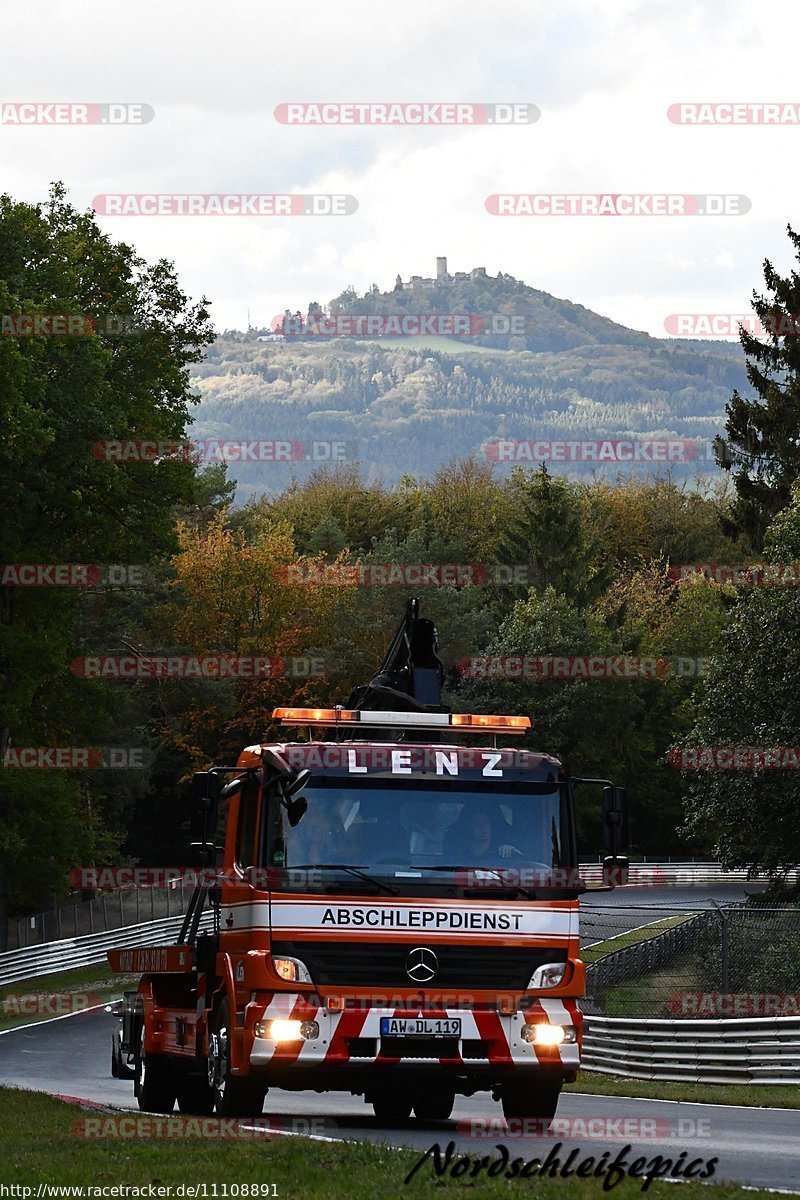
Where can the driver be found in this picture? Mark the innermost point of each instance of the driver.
(480, 842)
(318, 838)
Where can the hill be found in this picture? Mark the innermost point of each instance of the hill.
(407, 405)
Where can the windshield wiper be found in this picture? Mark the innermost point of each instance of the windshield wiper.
(502, 884)
(393, 891)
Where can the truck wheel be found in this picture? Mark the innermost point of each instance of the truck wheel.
(435, 1105)
(536, 1099)
(391, 1108)
(155, 1084)
(233, 1097)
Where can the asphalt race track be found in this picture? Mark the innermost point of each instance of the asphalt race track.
(761, 1147)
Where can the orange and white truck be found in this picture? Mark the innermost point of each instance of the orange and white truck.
(393, 913)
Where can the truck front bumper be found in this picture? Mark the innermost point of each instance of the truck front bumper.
(492, 1044)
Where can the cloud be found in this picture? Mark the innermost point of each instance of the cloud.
(603, 74)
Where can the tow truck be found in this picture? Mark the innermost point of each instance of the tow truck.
(393, 913)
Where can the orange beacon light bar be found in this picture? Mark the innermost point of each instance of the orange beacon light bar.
(394, 720)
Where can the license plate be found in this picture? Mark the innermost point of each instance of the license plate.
(421, 1027)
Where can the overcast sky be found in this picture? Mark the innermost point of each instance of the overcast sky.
(603, 75)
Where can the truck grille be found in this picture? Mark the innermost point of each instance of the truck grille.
(382, 964)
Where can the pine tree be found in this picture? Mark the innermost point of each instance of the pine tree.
(762, 447)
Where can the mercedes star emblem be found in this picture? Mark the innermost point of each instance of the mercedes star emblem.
(421, 964)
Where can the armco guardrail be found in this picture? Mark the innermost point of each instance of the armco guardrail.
(86, 951)
(756, 1050)
(675, 874)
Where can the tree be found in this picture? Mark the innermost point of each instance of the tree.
(327, 538)
(60, 397)
(762, 447)
(548, 531)
(751, 699)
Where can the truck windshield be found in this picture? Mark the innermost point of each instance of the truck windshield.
(404, 830)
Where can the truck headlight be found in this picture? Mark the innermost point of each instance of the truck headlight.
(543, 1034)
(548, 975)
(293, 970)
(281, 1030)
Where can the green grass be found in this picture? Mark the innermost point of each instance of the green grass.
(38, 1145)
(94, 984)
(642, 933)
(648, 995)
(754, 1095)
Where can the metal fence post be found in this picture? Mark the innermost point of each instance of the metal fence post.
(726, 955)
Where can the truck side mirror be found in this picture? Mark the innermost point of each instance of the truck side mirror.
(287, 786)
(296, 783)
(296, 810)
(615, 820)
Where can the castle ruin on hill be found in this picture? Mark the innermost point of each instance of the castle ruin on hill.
(443, 279)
